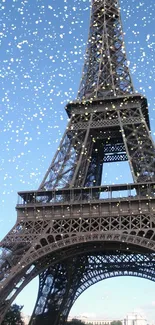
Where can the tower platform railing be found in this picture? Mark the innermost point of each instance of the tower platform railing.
(87, 194)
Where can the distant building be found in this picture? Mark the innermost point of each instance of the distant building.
(135, 319)
(98, 321)
(26, 319)
(87, 320)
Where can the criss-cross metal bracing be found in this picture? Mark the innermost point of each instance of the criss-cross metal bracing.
(105, 71)
(73, 276)
(106, 230)
(53, 226)
(101, 131)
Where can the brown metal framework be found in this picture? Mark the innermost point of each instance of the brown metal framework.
(72, 231)
(105, 71)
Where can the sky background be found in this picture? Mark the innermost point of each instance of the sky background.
(42, 48)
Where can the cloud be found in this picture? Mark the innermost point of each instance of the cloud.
(85, 315)
(149, 306)
(88, 315)
(140, 311)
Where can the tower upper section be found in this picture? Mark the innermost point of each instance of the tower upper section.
(105, 71)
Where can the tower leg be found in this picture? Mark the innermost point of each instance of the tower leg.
(57, 290)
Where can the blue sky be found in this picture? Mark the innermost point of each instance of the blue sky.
(42, 48)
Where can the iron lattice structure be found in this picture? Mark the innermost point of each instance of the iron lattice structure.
(105, 71)
(72, 231)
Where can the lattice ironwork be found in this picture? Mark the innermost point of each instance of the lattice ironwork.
(119, 125)
(105, 71)
(80, 273)
(46, 233)
(106, 230)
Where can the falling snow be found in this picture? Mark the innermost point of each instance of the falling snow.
(42, 53)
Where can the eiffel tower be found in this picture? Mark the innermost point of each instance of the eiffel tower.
(72, 231)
